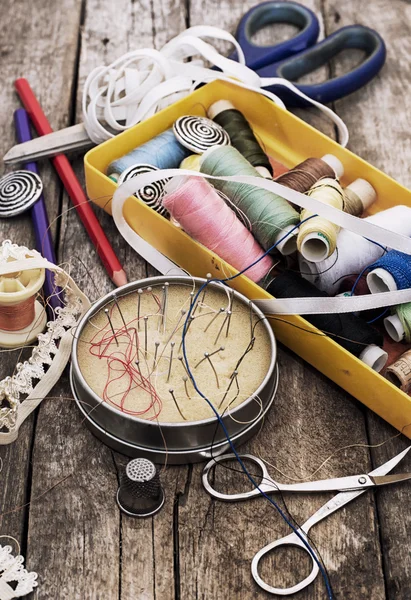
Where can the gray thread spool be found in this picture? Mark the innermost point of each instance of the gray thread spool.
(140, 493)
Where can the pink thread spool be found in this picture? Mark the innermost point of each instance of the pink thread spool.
(205, 216)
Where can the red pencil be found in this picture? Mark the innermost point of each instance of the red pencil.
(73, 187)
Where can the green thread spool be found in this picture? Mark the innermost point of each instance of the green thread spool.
(398, 325)
(271, 216)
(241, 135)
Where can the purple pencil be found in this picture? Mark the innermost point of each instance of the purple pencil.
(44, 242)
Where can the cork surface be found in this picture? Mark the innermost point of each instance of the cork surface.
(111, 372)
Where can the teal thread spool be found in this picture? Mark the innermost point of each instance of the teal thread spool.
(271, 216)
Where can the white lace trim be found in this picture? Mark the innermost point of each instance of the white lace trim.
(12, 571)
(52, 351)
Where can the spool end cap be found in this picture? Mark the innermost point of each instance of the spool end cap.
(219, 107)
(375, 357)
(379, 280)
(289, 244)
(315, 247)
(394, 328)
(334, 163)
(364, 190)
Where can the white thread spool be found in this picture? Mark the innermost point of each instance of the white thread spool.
(15, 289)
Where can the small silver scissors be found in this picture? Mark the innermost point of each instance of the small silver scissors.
(349, 487)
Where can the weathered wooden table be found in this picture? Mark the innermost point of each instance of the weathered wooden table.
(74, 535)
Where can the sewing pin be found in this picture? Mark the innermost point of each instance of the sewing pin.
(211, 354)
(251, 318)
(192, 294)
(164, 321)
(119, 310)
(233, 376)
(171, 360)
(155, 353)
(145, 335)
(180, 358)
(161, 315)
(111, 324)
(229, 313)
(187, 328)
(138, 367)
(139, 292)
(208, 276)
(185, 379)
(222, 327)
(207, 357)
(222, 309)
(175, 402)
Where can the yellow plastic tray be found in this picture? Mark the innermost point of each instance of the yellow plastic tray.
(290, 140)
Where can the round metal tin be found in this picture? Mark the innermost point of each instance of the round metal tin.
(176, 443)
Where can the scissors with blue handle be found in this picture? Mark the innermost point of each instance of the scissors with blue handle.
(300, 55)
(350, 488)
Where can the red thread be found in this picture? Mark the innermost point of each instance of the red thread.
(17, 316)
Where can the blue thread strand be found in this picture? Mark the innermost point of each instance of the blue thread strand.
(162, 151)
(221, 422)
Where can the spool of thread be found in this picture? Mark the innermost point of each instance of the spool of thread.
(271, 216)
(354, 252)
(241, 135)
(192, 162)
(389, 273)
(307, 173)
(205, 216)
(399, 373)
(317, 238)
(162, 151)
(398, 325)
(22, 317)
(358, 197)
(351, 332)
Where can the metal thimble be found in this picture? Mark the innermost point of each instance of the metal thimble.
(140, 493)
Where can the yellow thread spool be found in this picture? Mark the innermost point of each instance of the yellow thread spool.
(192, 162)
(317, 238)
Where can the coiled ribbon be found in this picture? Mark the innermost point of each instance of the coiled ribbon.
(140, 83)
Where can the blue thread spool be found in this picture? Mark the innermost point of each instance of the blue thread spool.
(163, 152)
(390, 273)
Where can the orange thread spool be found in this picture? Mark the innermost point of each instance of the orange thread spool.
(17, 316)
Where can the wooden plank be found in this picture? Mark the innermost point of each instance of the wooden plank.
(94, 542)
(377, 124)
(311, 418)
(39, 44)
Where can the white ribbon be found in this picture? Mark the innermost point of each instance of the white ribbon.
(114, 100)
(289, 306)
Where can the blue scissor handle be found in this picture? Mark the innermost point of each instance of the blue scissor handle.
(353, 36)
(268, 13)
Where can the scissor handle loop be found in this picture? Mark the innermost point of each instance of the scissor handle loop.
(351, 37)
(268, 13)
(289, 540)
(265, 486)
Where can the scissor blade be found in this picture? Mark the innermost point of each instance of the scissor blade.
(387, 479)
(389, 465)
(58, 142)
